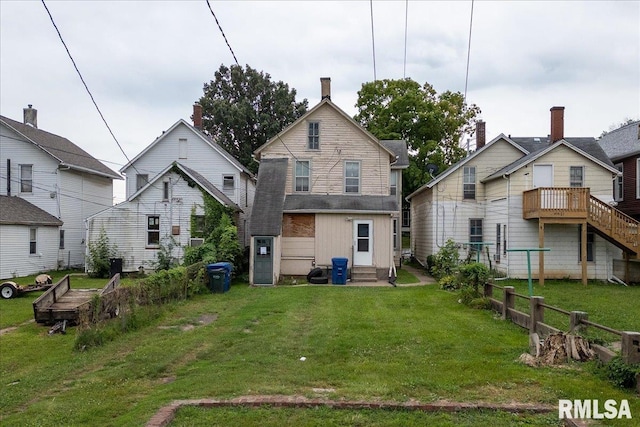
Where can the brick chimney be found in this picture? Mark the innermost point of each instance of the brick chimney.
(197, 116)
(481, 136)
(325, 87)
(557, 124)
(30, 116)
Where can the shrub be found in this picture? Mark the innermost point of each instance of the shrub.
(474, 274)
(446, 261)
(98, 263)
(621, 374)
(449, 283)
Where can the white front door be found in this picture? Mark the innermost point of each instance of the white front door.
(363, 242)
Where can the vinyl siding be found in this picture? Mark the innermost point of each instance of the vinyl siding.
(16, 260)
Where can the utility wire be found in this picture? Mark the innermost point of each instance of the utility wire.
(222, 32)
(373, 42)
(406, 26)
(466, 79)
(83, 82)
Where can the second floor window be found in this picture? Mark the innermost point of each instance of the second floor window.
(165, 190)
(141, 180)
(618, 192)
(302, 175)
(393, 183)
(153, 230)
(26, 178)
(576, 176)
(314, 136)
(352, 177)
(61, 246)
(469, 182)
(228, 183)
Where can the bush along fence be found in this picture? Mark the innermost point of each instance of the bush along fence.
(578, 321)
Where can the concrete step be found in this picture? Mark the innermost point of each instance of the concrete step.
(363, 274)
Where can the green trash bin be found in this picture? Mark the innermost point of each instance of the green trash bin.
(216, 280)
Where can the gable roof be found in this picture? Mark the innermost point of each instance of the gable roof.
(399, 148)
(622, 142)
(200, 180)
(61, 149)
(327, 102)
(451, 169)
(17, 211)
(266, 215)
(586, 147)
(204, 137)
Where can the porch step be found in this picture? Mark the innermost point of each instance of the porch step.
(364, 274)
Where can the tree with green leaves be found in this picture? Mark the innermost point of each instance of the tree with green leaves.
(432, 124)
(242, 108)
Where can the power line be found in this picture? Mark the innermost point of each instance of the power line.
(222, 32)
(466, 79)
(83, 82)
(373, 42)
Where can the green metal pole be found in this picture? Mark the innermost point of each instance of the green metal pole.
(529, 270)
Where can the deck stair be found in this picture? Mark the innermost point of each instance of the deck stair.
(571, 205)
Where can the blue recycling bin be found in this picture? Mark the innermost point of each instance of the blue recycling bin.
(219, 276)
(339, 271)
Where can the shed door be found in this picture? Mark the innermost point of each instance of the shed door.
(263, 261)
(363, 242)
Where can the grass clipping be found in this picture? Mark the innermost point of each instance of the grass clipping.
(557, 349)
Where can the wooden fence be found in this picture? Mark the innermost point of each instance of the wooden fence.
(578, 320)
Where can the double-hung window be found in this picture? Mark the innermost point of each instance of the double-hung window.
(393, 183)
(475, 232)
(576, 176)
(302, 175)
(618, 191)
(469, 182)
(314, 136)
(153, 230)
(26, 178)
(352, 177)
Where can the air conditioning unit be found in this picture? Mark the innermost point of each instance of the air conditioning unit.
(196, 241)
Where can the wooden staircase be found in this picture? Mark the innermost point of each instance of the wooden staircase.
(614, 226)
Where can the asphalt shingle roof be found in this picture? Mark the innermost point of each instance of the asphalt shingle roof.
(399, 148)
(339, 203)
(622, 142)
(266, 214)
(61, 148)
(205, 183)
(17, 211)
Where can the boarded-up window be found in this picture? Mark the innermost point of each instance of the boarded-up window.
(299, 225)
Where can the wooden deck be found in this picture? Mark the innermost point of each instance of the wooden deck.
(61, 302)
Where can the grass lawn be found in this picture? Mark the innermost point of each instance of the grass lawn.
(383, 343)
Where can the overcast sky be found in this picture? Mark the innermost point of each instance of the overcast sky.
(146, 62)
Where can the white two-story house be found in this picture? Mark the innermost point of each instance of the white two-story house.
(61, 179)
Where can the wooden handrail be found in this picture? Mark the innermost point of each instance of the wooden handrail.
(614, 223)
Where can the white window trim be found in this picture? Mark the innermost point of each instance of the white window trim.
(392, 185)
(149, 230)
(344, 177)
(583, 172)
(226, 178)
(474, 183)
(183, 148)
(34, 240)
(30, 180)
(618, 186)
(295, 176)
(308, 135)
(638, 178)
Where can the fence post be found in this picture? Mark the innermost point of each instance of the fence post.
(508, 301)
(488, 290)
(630, 347)
(575, 319)
(536, 313)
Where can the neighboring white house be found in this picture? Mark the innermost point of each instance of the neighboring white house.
(517, 193)
(164, 188)
(57, 176)
(327, 188)
(28, 238)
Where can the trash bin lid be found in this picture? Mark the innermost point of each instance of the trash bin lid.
(224, 265)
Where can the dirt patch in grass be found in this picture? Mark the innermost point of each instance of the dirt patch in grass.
(13, 328)
(203, 320)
